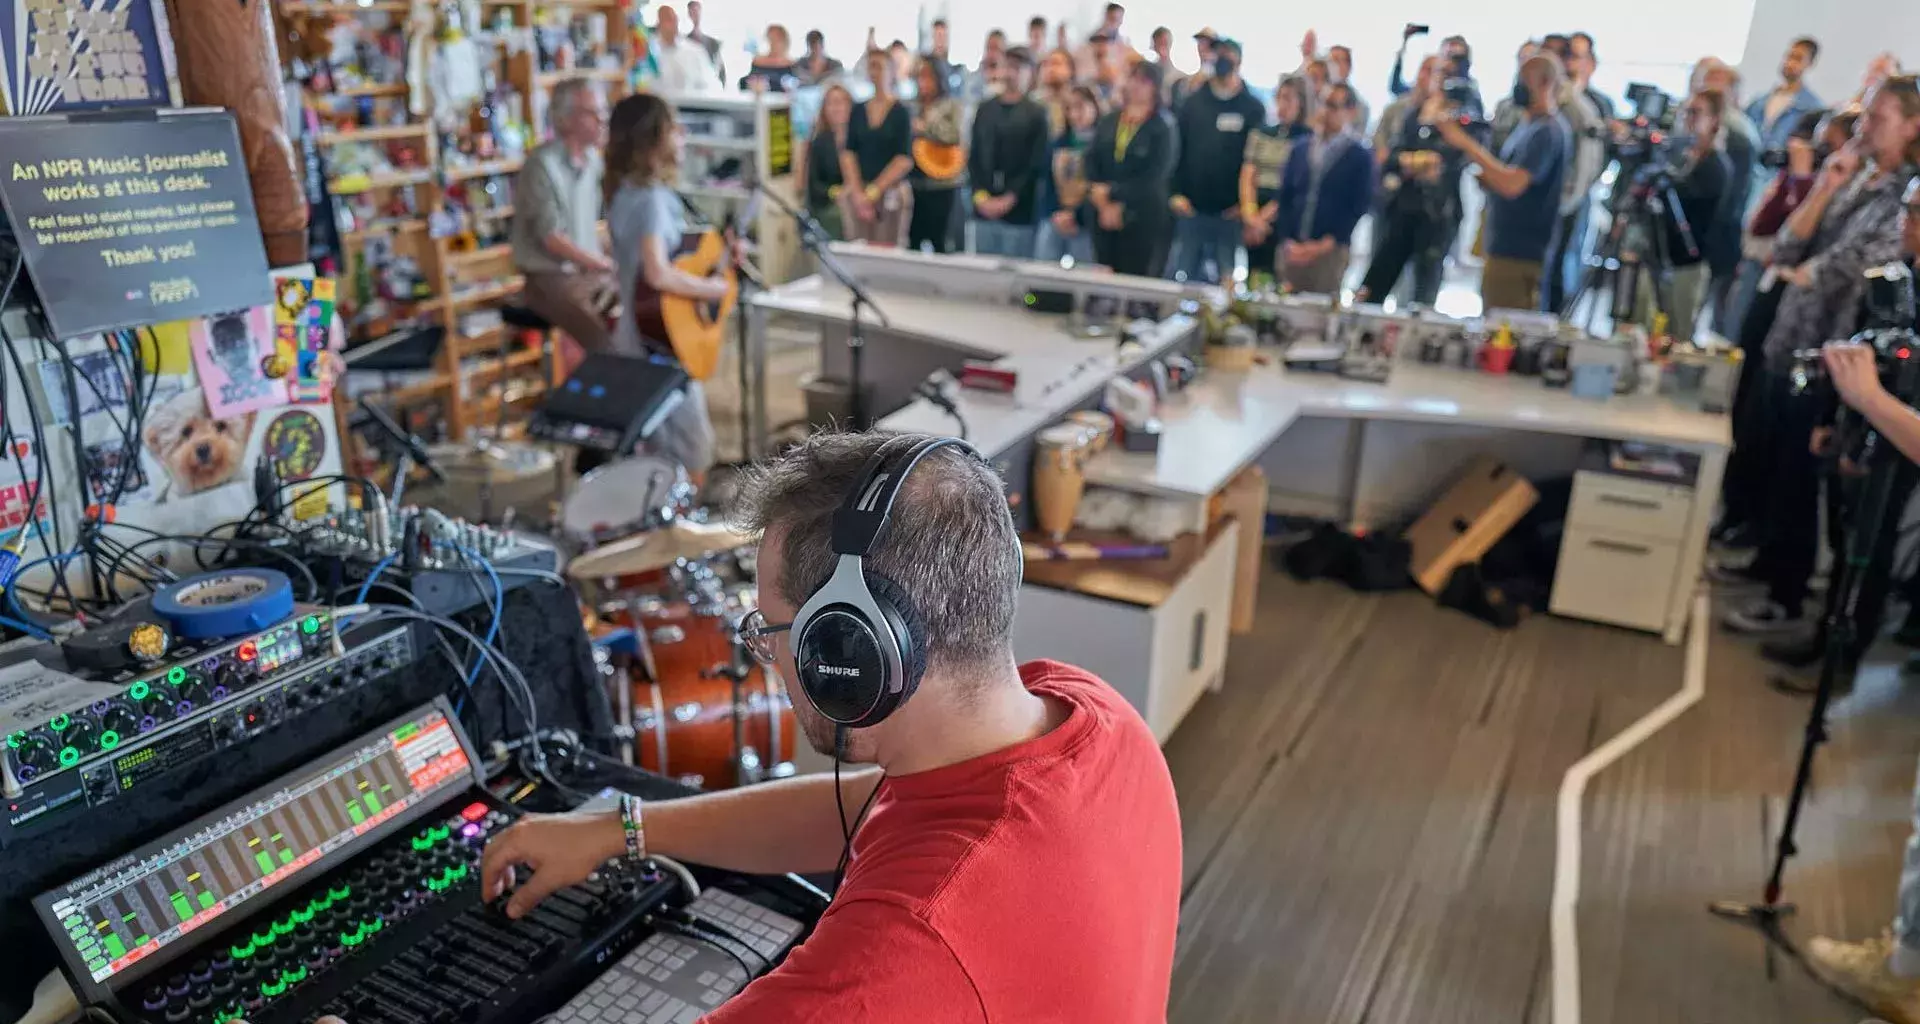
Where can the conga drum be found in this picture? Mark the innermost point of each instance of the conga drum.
(1059, 477)
(1098, 425)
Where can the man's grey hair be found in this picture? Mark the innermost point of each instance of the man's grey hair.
(566, 96)
(950, 545)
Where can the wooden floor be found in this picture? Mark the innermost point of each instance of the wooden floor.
(1368, 809)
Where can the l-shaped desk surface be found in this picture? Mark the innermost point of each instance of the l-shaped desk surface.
(1215, 428)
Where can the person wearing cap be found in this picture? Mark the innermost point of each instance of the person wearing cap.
(1130, 168)
(1180, 89)
(1213, 124)
(1006, 161)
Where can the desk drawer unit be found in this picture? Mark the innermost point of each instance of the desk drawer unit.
(1161, 657)
(1615, 578)
(1616, 504)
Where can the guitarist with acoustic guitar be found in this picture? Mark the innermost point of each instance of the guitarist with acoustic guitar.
(669, 278)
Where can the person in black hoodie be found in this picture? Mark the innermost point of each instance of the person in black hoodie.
(1131, 169)
(1007, 161)
(1213, 124)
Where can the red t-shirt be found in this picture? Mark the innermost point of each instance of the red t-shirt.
(1037, 884)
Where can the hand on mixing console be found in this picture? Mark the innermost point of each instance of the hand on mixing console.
(560, 850)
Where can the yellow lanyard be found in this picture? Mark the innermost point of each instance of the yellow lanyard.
(1122, 138)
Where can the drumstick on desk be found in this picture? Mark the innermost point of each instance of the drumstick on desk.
(1083, 551)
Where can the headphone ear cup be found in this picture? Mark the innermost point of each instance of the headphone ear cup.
(907, 624)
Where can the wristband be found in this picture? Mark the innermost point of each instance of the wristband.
(634, 827)
(1249, 212)
(872, 193)
(980, 196)
(833, 191)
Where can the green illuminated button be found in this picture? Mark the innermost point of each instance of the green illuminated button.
(439, 833)
(294, 976)
(310, 625)
(109, 740)
(421, 844)
(139, 690)
(263, 939)
(273, 988)
(69, 756)
(14, 740)
(335, 895)
(59, 723)
(301, 915)
(283, 927)
(176, 675)
(241, 952)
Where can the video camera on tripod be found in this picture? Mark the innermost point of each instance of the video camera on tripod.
(1891, 313)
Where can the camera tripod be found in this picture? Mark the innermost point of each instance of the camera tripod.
(1876, 517)
(1635, 245)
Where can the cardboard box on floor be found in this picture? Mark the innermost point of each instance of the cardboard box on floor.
(1471, 517)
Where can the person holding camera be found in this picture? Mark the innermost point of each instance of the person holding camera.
(1848, 223)
(1882, 973)
(1700, 183)
(1588, 112)
(1419, 208)
(1523, 184)
(1456, 59)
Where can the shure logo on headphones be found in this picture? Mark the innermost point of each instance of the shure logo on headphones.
(837, 670)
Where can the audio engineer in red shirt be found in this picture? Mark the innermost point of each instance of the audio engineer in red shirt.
(1016, 843)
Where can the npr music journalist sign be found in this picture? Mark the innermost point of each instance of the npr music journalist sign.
(135, 220)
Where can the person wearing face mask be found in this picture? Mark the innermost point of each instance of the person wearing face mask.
(1178, 92)
(1847, 223)
(1323, 194)
(1523, 184)
(1213, 125)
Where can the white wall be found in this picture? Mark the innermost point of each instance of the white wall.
(1850, 32)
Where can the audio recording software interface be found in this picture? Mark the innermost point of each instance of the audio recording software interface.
(134, 908)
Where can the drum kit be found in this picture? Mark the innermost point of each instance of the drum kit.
(669, 593)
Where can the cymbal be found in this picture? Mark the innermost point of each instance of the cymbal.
(656, 549)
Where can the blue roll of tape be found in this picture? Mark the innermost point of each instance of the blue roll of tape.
(223, 604)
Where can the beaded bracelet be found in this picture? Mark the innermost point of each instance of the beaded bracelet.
(634, 827)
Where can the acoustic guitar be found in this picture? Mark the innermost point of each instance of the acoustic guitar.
(939, 161)
(694, 328)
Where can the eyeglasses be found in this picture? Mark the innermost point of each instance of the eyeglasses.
(761, 639)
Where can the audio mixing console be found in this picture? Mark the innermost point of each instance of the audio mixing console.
(351, 887)
(123, 730)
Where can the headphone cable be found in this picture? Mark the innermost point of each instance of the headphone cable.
(846, 832)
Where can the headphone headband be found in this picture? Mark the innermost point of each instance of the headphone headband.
(863, 516)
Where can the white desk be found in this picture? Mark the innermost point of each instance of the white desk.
(1214, 429)
(1226, 421)
(1057, 370)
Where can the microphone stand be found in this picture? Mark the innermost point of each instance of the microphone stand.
(815, 240)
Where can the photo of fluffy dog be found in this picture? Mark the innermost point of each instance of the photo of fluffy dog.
(200, 452)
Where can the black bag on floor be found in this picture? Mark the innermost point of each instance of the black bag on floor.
(1375, 562)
